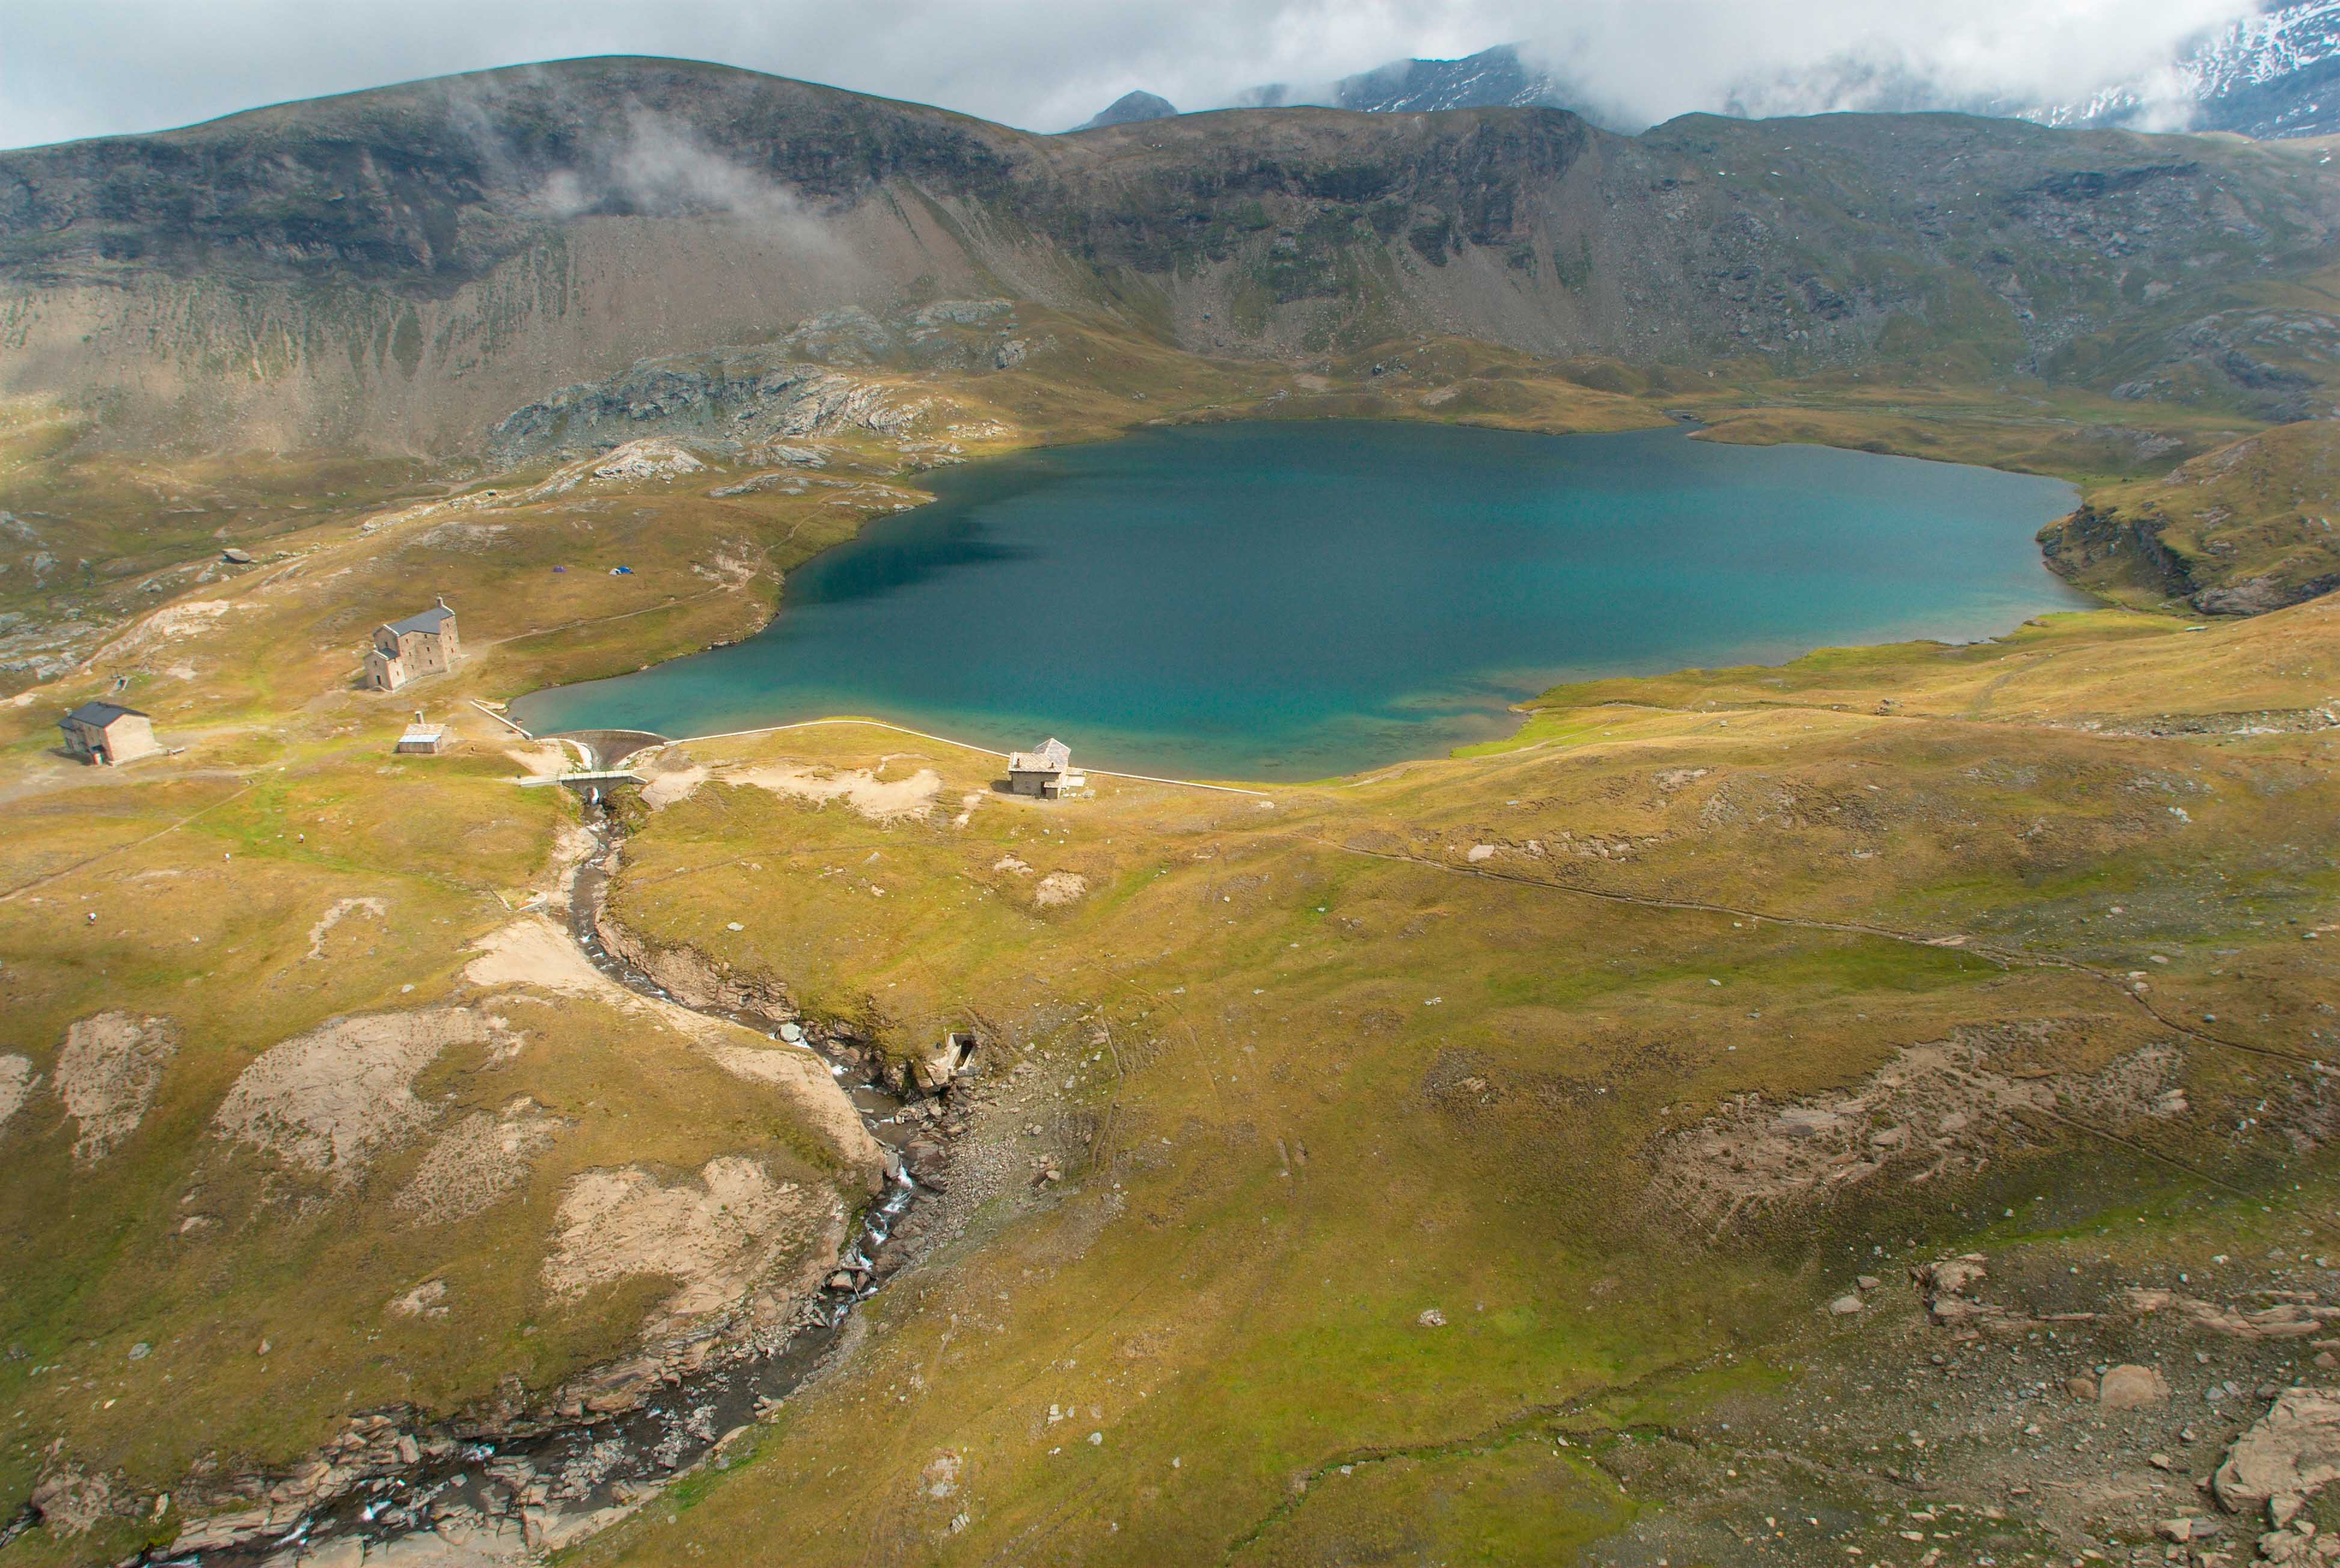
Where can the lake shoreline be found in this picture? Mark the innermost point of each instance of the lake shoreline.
(1502, 570)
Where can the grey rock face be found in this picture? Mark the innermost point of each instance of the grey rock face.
(1129, 109)
(738, 397)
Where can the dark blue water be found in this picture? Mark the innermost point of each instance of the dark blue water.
(1300, 599)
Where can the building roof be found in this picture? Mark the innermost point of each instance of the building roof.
(1053, 757)
(420, 732)
(98, 715)
(430, 620)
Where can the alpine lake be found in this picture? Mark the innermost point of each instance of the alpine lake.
(1289, 600)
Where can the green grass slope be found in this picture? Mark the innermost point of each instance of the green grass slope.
(1395, 1220)
(2243, 529)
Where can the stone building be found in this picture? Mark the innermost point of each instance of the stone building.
(109, 733)
(410, 649)
(1046, 772)
(422, 739)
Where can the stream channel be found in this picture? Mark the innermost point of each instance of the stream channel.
(544, 1474)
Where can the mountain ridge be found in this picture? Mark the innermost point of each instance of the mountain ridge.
(404, 268)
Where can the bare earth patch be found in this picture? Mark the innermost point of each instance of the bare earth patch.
(718, 1238)
(170, 624)
(107, 1074)
(341, 910)
(16, 1080)
(670, 785)
(880, 799)
(478, 1163)
(1935, 1107)
(812, 1088)
(428, 1299)
(534, 952)
(328, 1100)
(1059, 888)
(545, 759)
(571, 848)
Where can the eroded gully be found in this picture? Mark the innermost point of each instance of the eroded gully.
(499, 1486)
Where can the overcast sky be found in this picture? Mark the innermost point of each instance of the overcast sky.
(100, 67)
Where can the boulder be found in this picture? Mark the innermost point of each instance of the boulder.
(222, 1530)
(2283, 1320)
(2293, 1450)
(2133, 1388)
(1951, 1276)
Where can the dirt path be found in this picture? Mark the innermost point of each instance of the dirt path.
(48, 877)
(675, 602)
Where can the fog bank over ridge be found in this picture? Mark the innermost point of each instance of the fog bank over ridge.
(1046, 64)
(1844, 56)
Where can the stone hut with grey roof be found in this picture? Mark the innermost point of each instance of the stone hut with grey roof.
(109, 734)
(410, 649)
(1045, 771)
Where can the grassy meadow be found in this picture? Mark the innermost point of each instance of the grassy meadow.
(1340, 1056)
(1417, 1198)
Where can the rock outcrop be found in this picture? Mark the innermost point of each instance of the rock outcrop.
(2292, 1451)
(2244, 529)
(736, 398)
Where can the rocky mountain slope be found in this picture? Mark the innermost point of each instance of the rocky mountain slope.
(1128, 109)
(401, 269)
(1500, 77)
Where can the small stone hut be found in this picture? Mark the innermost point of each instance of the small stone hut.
(422, 739)
(1045, 771)
(408, 650)
(108, 733)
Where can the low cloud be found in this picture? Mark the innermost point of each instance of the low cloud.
(123, 66)
(637, 161)
(1823, 56)
(662, 167)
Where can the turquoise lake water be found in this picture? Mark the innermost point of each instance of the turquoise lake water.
(1292, 601)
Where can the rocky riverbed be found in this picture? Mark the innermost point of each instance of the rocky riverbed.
(507, 1483)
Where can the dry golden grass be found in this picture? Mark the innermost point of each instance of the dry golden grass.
(1312, 1066)
(1413, 1041)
